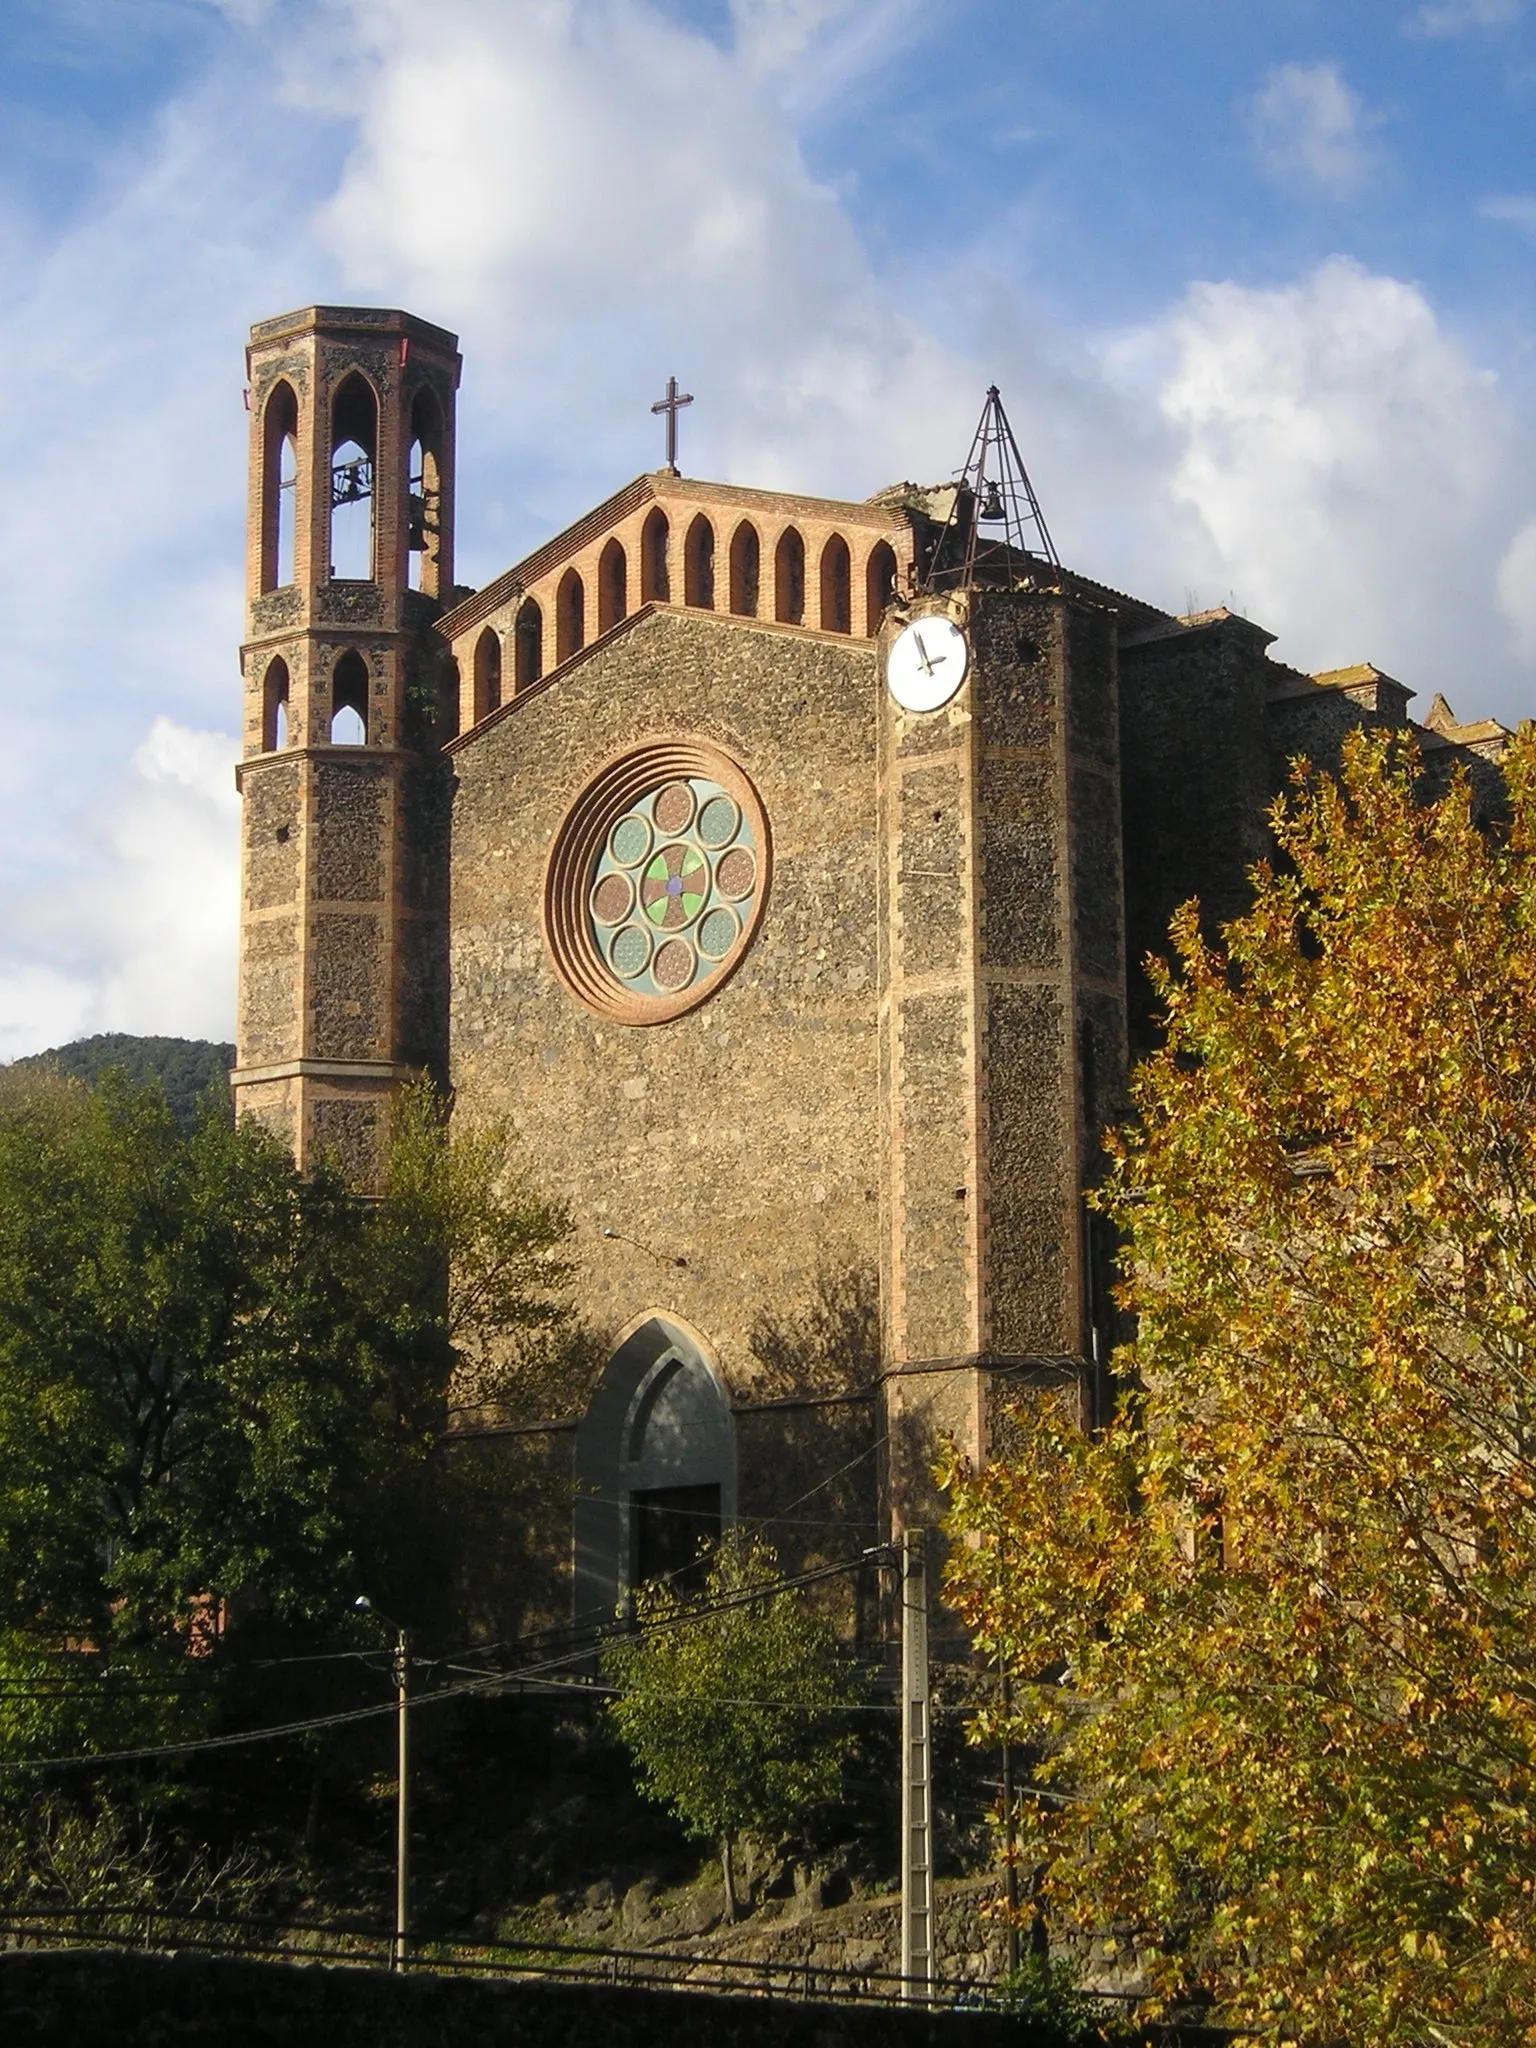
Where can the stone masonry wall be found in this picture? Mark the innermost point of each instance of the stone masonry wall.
(1196, 778)
(742, 1136)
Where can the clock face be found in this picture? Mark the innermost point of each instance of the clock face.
(926, 663)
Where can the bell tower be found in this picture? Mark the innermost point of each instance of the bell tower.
(348, 700)
(1003, 1005)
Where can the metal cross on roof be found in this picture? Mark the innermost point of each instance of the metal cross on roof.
(672, 405)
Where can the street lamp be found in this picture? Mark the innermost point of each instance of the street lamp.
(397, 1955)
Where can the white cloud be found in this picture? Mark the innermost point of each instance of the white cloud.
(1352, 471)
(165, 915)
(603, 197)
(815, 52)
(244, 13)
(1461, 17)
(1517, 589)
(1325, 449)
(142, 937)
(777, 35)
(1310, 129)
(1516, 209)
(121, 561)
(41, 1006)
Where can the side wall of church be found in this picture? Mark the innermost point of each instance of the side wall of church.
(1196, 778)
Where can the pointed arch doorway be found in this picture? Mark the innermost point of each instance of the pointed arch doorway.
(655, 1468)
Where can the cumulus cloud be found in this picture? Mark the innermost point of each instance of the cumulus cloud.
(1461, 17)
(774, 35)
(164, 917)
(1348, 466)
(604, 197)
(1310, 129)
(142, 937)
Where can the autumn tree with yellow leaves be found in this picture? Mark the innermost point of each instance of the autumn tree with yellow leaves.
(1273, 1631)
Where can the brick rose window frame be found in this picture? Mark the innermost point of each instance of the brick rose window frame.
(583, 834)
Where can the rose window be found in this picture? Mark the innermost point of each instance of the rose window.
(671, 872)
(672, 885)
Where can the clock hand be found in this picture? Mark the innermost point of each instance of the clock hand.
(922, 652)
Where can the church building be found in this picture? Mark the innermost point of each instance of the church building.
(781, 866)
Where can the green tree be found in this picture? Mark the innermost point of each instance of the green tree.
(1274, 1629)
(734, 1703)
(222, 1381)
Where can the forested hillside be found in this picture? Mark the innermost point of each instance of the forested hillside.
(186, 1068)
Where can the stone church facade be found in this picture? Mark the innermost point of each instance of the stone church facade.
(808, 1004)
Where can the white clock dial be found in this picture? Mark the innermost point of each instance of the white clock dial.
(926, 663)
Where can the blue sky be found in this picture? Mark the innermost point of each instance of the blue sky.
(1256, 277)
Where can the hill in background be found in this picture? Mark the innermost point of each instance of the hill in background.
(185, 1068)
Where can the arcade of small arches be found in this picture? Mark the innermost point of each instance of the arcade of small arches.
(753, 577)
(344, 477)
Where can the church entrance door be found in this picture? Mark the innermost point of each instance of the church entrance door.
(655, 1470)
(672, 1530)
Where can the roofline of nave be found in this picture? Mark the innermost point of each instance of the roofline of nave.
(660, 487)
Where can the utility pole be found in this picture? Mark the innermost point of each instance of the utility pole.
(1010, 1832)
(402, 1666)
(916, 1776)
(402, 1800)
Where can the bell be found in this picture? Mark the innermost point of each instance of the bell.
(992, 506)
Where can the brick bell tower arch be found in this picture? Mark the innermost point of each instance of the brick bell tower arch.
(349, 563)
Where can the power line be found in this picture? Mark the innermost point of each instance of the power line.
(240, 1741)
(489, 1683)
(596, 1691)
(867, 1452)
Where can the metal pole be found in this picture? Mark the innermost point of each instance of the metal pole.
(402, 1801)
(1010, 1834)
(916, 1776)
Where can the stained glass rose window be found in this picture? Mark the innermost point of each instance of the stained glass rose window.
(669, 850)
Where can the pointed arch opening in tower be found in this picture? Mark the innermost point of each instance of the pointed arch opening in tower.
(879, 585)
(354, 450)
(746, 558)
(655, 583)
(349, 701)
(487, 673)
(274, 706)
(789, 578)
(612, 586)
(570, 616)
(424, 495)
(699, 564)
(836, 595)
(528, 644)
(279, 484)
